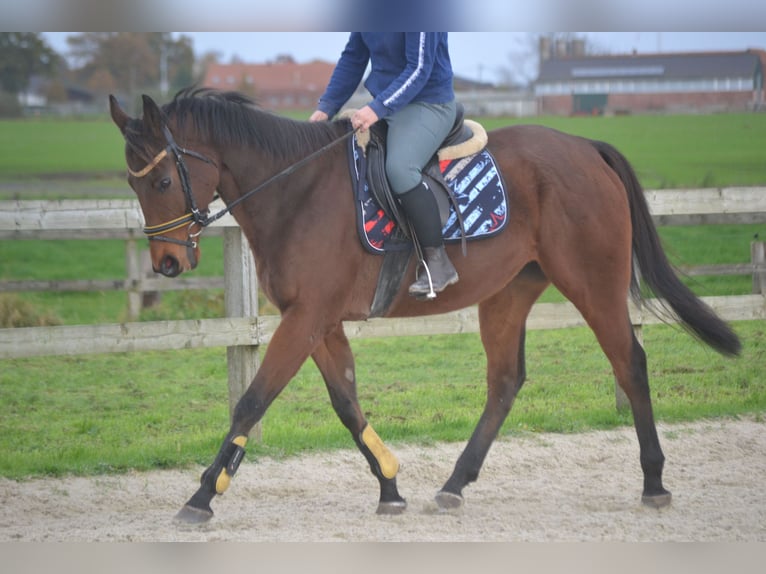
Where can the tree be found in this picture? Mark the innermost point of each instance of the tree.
(531, 49)
(205, 61)
(522, 62)
(131, 61)
(101, 82)
(56, 91)
(23, 55)
(181, 63)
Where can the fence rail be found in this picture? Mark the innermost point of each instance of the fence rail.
(243, 330)
(84, 218)
(122, 219)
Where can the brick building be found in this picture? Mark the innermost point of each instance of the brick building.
(279, 85)
(643, 83)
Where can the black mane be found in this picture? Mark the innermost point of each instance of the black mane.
(233, 119)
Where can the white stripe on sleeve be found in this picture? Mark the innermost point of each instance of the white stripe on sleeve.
(413, 76)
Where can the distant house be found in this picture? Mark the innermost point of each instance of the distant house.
(69, 100)
(704, 81)
(34, 96)
(279, 85)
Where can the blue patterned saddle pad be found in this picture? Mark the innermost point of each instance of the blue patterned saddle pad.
(476, 184)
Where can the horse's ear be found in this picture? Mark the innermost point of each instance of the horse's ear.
(119, 117)
(153, 117)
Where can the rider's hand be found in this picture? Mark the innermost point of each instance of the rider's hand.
(363, 119)
(318, 116)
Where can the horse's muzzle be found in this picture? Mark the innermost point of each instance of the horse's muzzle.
(169, 266)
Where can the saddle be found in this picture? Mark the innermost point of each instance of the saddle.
(465, 182)
(464, 139)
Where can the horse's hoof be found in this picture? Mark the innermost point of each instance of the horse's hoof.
(190, 515)
(657, 500)
(392, 508)
(448, 500)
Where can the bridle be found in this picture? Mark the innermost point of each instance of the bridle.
(194, 216)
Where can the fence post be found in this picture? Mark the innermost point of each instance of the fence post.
(148, 298)
(758, 259)
(133, 271)
(241, 299)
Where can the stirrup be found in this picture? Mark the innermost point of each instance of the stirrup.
(431, 293)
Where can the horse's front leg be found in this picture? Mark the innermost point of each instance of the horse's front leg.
(290, 346)
(336, 363)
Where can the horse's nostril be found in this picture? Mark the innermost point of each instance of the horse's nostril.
(170, 266)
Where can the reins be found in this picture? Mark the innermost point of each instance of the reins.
(284, 173)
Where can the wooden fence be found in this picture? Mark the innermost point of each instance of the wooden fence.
(242, 331)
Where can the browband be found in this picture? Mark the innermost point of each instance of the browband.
(157, 159)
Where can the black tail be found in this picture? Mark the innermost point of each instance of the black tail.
(657, 272)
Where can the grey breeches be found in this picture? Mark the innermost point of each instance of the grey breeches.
(414, 134)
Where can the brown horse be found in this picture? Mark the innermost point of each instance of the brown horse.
(577, 219)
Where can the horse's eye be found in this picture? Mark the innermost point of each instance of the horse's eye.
(164, 183)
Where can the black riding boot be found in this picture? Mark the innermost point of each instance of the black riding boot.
(420, 206)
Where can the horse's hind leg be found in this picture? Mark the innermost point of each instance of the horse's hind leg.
(336, 363)
(502, 321)
(635, 383)
(610, 321)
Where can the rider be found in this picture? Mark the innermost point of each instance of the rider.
(411, 84)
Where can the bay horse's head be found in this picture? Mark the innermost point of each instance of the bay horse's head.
(175, 212)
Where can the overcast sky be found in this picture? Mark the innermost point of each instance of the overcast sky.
(475, 55)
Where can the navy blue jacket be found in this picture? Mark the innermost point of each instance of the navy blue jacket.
(405, 67)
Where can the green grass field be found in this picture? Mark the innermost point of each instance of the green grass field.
(92, 414)
(679, 151)
(33, 148)
(667, 151)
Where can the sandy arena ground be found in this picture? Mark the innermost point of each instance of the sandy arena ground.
(537, 487)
